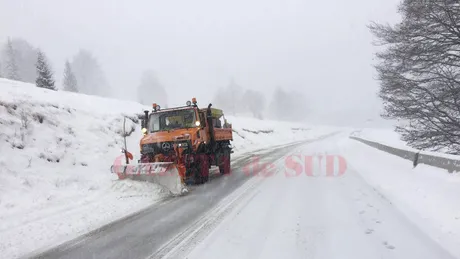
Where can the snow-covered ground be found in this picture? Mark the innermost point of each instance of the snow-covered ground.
(426, 195)
(250, 134)
(379, 208)
(386, 136)
(389, 137)
(56, 150)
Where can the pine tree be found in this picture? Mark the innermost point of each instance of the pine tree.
(1, 70)
(25, 57)
(12, 71)
(45, 76)
(89, 74)
(70, 81)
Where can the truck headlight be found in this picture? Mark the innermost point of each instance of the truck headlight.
(183, 144)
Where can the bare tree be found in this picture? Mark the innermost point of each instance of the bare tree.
(419, 71)
(254, 101)
(288, 105)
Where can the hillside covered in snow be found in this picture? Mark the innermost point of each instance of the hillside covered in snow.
(57, 148)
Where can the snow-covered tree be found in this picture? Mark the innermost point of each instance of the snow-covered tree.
(70, 81)
(419, 70)
(89, 74)
(151, 91)
(26, 56)
(45, 75)
(1, 70)
(19, 58)
(11, 67)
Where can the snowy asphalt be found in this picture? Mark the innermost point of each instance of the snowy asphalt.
(316, 216)
(143, 234)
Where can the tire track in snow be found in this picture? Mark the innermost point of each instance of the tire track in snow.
(183, 243)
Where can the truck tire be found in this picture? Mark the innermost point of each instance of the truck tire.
(202, 172)
(224, 166)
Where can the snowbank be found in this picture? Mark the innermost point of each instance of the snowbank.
(389, 137)
(56, 150)
(426, 195)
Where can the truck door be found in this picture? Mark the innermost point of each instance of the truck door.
(203, 131)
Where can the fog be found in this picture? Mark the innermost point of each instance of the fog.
(321, 48)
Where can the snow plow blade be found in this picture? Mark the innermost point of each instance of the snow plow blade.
(165, 174)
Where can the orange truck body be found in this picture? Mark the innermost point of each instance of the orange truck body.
(193, 149)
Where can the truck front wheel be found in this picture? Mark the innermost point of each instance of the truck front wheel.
(224, 166)
(202, 171)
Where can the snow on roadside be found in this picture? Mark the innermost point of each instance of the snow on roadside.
(250, 134)
(387, 136)
(57, 148)
(428, 196)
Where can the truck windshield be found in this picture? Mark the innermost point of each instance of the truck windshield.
(168, 120)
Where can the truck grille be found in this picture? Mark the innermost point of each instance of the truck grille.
(157, 148)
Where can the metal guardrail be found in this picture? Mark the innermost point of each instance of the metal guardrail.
(451, 165)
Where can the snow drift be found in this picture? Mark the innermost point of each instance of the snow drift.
(426, 195)
(387, 136)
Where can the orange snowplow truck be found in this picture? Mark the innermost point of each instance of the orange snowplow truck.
(179, 146)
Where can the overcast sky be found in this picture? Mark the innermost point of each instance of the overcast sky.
(322, 48)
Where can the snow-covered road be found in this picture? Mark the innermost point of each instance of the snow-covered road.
(151, 231)
(373, 209)
(315, 217)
